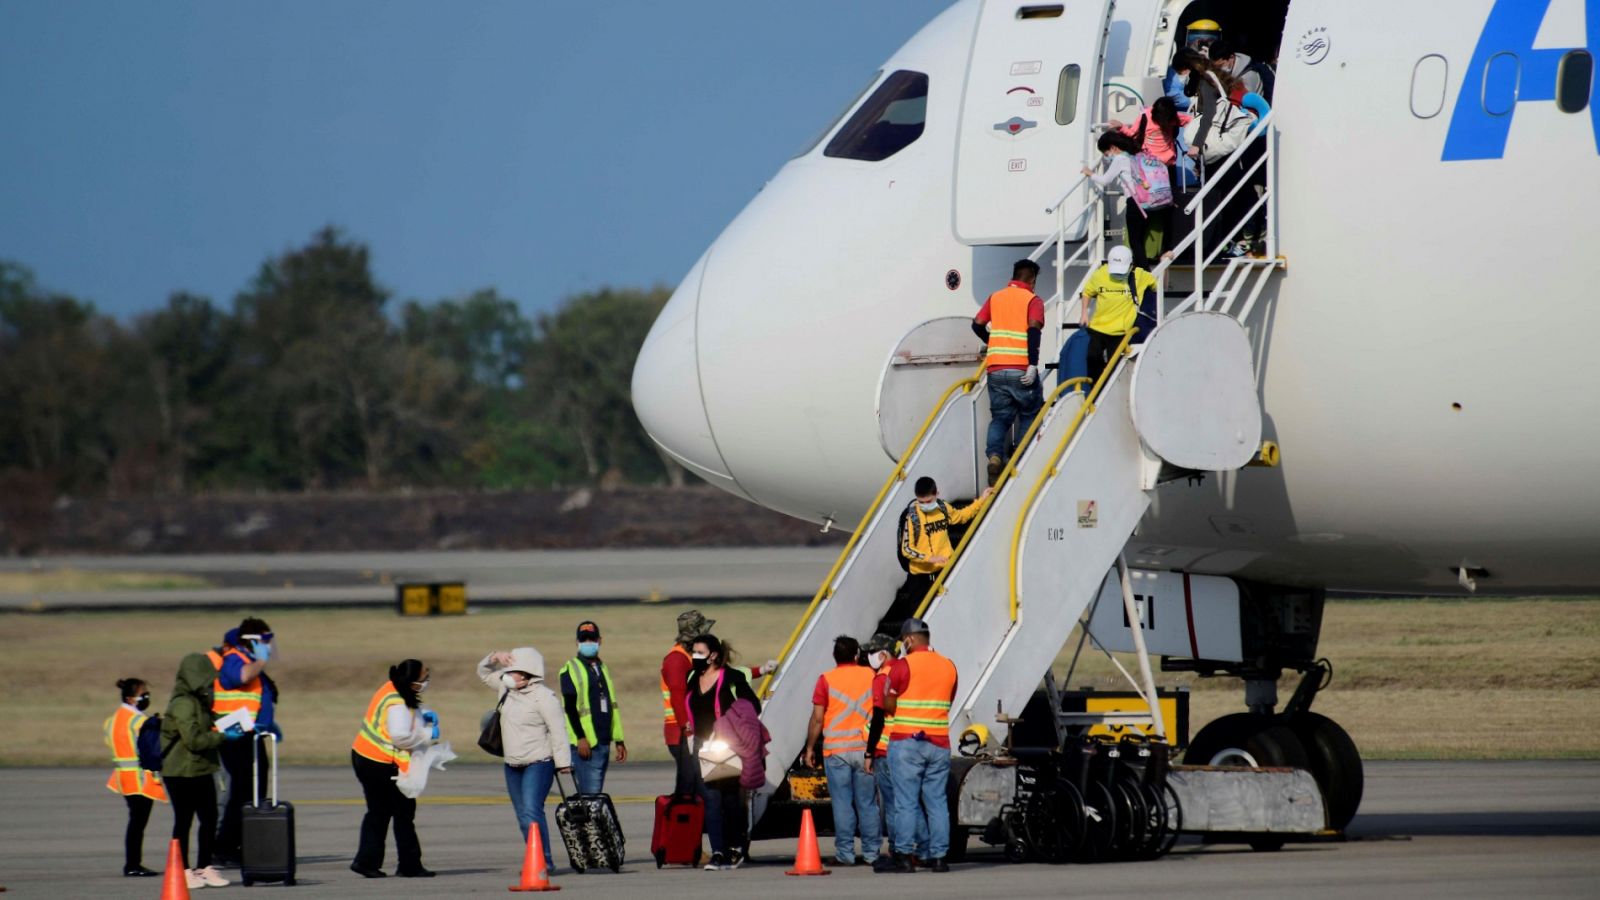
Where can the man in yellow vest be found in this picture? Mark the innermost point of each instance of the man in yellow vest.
(242, 683)
(594, 717)
(1114, 293)
(1009, 323)
(922, 685)
(841, 712)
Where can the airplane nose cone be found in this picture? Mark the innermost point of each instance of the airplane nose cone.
(666, 387)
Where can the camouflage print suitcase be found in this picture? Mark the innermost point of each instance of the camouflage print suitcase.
(590, 830)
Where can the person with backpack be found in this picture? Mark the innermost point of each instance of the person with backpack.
(1117, 293)
(1145, 183)
(137, 775)
(925, 547)
(190, 741)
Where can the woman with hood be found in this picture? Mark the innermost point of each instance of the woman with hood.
(192, 762)
(395, 725)
(534, 731)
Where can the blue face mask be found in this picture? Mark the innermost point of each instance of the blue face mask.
(930, 506)
(589, 649)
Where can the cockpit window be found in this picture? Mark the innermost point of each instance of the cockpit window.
(854, 99)
(890, 120)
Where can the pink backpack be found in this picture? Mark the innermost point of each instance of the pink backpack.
(1152, 189)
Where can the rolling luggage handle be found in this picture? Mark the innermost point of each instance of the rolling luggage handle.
(255, 768)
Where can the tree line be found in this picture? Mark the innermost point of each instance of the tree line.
(314, 380)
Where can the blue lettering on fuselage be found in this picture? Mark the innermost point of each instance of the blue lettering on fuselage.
(1495, 79)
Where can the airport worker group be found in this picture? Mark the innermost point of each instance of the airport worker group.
(879, 729)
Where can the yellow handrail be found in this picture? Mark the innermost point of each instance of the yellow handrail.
(1005, 475)
(895, 477)
(1055, 458)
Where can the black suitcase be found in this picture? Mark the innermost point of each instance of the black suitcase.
(590, 830)
(266, 830)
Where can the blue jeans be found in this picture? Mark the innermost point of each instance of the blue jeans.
(885, 777)
(921, 773)
(855, 803)
(1010, 403)
(590, 774)
(529, 787)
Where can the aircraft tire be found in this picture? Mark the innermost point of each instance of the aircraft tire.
(1336, 764)
(1230, 731)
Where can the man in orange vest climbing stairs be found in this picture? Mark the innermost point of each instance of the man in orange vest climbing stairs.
(1009, 324)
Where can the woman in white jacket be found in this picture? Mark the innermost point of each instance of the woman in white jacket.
(534, 732)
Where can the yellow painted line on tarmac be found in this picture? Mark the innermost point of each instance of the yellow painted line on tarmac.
(457, 800)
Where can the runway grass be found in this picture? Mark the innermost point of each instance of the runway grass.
(54, 580)
(1480, 678)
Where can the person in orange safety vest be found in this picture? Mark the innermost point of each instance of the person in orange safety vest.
(841, 713)
(1009, 324)
(141, 789)
(922, 686)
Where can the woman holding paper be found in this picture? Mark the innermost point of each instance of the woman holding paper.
(395, 724)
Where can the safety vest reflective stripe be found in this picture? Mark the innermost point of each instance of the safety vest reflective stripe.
(924, 706)
(888, 718)
(1008, 326)
(127, 778)
(668, 712)
(849, 712)
(372, 741)
(245, 696)
(578, 671)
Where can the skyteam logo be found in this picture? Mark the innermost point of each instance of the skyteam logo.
(1506, 71)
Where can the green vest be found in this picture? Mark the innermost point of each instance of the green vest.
(578, 671)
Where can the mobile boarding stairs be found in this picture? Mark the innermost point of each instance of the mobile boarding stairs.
(1037, 556)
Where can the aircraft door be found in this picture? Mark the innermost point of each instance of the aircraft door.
(1027, 114)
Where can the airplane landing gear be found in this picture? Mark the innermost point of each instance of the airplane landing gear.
(1295, 738)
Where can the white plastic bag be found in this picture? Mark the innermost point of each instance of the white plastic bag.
(415, 779)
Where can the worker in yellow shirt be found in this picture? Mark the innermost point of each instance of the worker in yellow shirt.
(1112, 299)
(925, 547)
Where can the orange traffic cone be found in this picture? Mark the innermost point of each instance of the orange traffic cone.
(807, 859)
(534, 875)
(174, 881)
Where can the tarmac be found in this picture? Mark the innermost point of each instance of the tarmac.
(1426, 829)
(264, 581)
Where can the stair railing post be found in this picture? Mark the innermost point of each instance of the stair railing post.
(1272, 191)
(1136, 626)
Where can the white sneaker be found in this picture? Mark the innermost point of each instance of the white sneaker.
(192, 878)
(212, 877)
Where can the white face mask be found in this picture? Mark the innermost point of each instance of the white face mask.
(875, 660)
(930, 506)
(422, 687)
(510, 681)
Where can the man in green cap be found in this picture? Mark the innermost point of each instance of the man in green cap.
(675, 668)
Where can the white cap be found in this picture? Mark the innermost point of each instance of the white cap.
(1119, 260)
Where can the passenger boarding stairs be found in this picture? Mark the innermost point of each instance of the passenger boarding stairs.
(1065, 506)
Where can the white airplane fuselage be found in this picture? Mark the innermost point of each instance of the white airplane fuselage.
(1423, 360)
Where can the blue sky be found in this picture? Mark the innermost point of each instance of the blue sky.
(538, 147)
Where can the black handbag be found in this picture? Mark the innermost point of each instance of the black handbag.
(490, 740)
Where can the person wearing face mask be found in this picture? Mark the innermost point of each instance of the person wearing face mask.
(533, 730)
(242, 683)
(594, 717)
(925, 547)
(141, 789)
(675, 669)
(710, 694)
(1116, 293)
(880, 658)
(922, 686)
(1177, 78)
(394, 725)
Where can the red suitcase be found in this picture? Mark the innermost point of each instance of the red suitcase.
(679, 824)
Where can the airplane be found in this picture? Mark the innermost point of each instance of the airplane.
(1417, 334)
